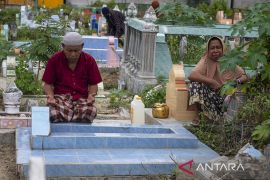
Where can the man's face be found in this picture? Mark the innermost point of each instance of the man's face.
(215, 50)
(72, 53)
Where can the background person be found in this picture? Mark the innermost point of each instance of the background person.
(115, 21)
(206, 80)
(70, 82)
(155, 5)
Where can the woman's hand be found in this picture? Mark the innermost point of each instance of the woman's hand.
(215, 85)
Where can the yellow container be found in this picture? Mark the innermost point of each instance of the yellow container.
(160, 110)
(50, 4)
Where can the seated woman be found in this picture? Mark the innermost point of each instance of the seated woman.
(206, 81)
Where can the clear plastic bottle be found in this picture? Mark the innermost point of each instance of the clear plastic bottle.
(137, 111)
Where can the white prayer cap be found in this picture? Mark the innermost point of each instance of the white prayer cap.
(72, 39)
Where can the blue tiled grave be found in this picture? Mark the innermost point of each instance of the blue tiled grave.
(98, 47)
(110, 149)
(81, 136)
(94, 45)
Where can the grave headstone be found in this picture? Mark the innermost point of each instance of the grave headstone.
(11, 66)
(40, 121)
(100, 90)
(23, 15)
(177, 95)
(112, 57)
(6, 31)
(4, 68)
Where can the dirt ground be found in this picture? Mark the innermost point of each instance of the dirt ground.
(7, 163)
(110, 77)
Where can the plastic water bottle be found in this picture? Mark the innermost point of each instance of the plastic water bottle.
(137, 111)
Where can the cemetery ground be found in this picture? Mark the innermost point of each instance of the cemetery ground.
(8, 162)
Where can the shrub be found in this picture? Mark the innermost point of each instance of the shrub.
(120, 98)
(195, 48)
(26, 80)
(151, 95)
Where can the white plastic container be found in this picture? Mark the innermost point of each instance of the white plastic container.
(137, 111)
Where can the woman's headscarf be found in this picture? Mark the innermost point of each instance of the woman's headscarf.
(211, 68)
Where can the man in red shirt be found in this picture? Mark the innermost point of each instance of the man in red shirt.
(70, 82)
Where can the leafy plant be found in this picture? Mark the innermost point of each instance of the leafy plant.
(97, 3)
(262, 132)
(195, 3)
(255, 110)
(111, 4)
(176, 13)
(257, 56)
(26, 80)
(47, 39)
(195, 48)
(6, 49)
(224, 137)
(120, 98)
(151, 95)
(25, 33)
(217, 5)
(66, 9)
(173, 44)
(8, 15)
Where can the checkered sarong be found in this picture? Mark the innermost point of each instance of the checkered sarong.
(67, 110)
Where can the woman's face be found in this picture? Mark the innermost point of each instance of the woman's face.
(215, 50)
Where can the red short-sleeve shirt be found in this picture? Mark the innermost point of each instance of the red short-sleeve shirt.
(67, 81)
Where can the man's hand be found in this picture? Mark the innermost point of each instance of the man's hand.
(51, 100)
(91, 98)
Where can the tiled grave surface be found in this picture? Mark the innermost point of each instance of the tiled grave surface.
(96, 42)
(98, 48)
(119, 149)
(94, 45)
(74, 136)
